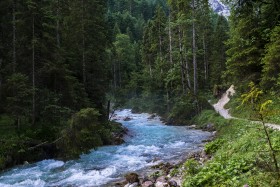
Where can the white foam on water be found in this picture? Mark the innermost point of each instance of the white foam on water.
(51, 164)
(177, 144)
(139, 150)
(19, 174)
(94, 177)
(25, 183)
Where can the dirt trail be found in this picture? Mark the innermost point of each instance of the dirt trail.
(219, 107)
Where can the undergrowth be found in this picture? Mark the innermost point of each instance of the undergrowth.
(240, 156)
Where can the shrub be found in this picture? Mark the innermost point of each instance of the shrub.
(85, 132)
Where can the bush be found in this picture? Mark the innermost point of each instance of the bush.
(85, 132)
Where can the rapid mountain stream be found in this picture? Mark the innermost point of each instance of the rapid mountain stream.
(148, 143)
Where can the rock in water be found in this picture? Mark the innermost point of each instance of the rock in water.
(132, 178)
(127, 118)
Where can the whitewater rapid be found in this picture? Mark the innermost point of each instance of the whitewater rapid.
(148, 143)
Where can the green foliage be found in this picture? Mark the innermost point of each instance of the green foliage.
(85, 132)
(270, 77)
(174, 171)
(240, 155)
(223, 173)
(212, 147)
(192, 166)
(253, 49)
(14, 150)
(18, 98)
(186, 108)
(254, 97)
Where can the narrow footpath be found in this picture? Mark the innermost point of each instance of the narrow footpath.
(219, 108)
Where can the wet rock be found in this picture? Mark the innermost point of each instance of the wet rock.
(172, 183)
(118, 141)
(161, 179)
(146, 178)
(152, 116)
(161, 184)
(127, 118)
(192, 127)
(165, 167)
(135, 184)
(148, 184)
(117, 137)
(210, 127)
(132, 178)
(119, 184)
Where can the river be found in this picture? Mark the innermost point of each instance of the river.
(148, 143)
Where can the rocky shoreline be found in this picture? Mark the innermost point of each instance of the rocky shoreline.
(161, 175)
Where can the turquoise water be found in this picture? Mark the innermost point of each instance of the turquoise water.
(147, 143)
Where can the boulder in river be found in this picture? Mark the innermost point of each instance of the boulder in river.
(132, 178)
(152, 116)
(127, 118)
(173, 183)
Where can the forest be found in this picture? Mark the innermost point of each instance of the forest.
(65, 64)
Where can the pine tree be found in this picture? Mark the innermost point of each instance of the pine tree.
(271, 68)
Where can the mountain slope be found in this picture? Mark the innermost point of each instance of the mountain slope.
(219, 7)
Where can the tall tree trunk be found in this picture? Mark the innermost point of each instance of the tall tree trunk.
(33, 71)
(188, 77)
(115, 75)
(14, 37)
(205, 61)
(120, 77)
(0, 81)
(194, 51)
(150, 65)
(58, 24)
(187, 68)
(168, 99)
(83, 44)
(181, 61)
(160, 42)
(170, 40)
(130, 6)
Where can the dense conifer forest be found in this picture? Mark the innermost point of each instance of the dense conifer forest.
(65, 63)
